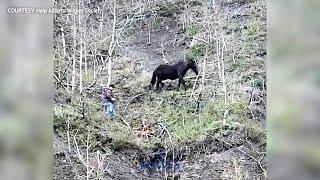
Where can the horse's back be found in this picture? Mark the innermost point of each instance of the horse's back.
(167, 71)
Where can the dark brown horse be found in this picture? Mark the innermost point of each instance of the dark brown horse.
(175, 71)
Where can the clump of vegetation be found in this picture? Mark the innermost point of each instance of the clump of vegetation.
(230, 2)
(185, 124)
(253, 29)
(195, 3)
(198, 50)
(165, 9)
(230, 28)
(190, 32)
(158, 22)
(238, 108)
(255, 133)
(123, 137)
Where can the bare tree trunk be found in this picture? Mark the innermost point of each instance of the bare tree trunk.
(224, 86)
(68, 79)
(218, 58)
(80, 66)
(85, 59)
(64, 54)
(81, 49)
(85, 48)
(109, 71)
(111, 45)
(162, 51)
(87, 157)
(101, 24)
(63, 42)
(94, 63)
(68, 133)
(141, 16)
(73, 80)
(203, 73)
(149, 32)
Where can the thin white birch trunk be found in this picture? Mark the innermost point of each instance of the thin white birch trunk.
(81, 49)
(111, 45)
(73, 80)
(224, 86)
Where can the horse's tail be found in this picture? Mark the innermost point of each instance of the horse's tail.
(153, 80)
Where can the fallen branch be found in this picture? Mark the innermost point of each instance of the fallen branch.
(157, 106)
(254, 87)
(194, 86)
(253, 158)
(257, 161)
(125, 122)
(170, 139)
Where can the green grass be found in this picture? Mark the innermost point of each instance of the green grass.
(183, 123)
(158, 22)
(196, 3)
(254, 30)
(198, 50)
(191, 31)
(165, 9)
(187, 125)
(255, 133)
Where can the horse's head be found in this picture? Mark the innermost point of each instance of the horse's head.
(193, 65)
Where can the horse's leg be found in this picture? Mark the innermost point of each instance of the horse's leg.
(184, 85)
(158, 83)
(162, 84)
(181, 81)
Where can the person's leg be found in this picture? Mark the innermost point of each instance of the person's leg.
(112, 111)
(106, 109)
(109, 109)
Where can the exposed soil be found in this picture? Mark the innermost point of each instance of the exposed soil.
(210, 158)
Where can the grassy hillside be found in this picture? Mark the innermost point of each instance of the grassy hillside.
(219, 122)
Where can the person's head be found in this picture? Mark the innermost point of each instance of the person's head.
(111, 86)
